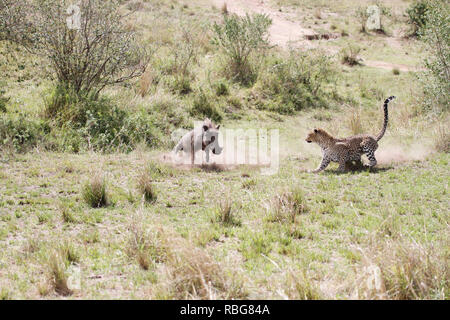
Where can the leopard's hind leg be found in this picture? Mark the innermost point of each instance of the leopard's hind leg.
(369, 145)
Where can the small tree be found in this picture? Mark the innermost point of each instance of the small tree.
(239, 38)
(417, 15)
(436, 34)
(97, 52)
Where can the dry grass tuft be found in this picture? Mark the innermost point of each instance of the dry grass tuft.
(287, 205)
(301, 287)
(403, 271)
(57, 265)
(442, 139)
(354, 122)
(225, 214)
(94, 192)
(318, 14)
(148, 246)
(224, 9)
(146, 188)
(195, 275)
(145, 83)
(67, 214)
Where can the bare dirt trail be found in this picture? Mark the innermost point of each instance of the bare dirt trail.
(285, 32)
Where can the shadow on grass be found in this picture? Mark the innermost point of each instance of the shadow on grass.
(359, 169)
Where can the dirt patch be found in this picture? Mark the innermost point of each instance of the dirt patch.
(390, 66)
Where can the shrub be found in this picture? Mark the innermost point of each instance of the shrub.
(203, 107)
(362, 16)
(222, 89)
(81, 121)
(239, 38)
(417, 15)
(20, 133)
(297, 82)
(396, 71)
(436, 80)
(349, 55)
(94, 192)
(101, 51)
(3, 102)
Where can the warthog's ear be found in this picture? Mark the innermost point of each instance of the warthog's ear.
(218, 127)
(205, 128)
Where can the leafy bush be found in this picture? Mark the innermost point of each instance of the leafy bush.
(100, 51)
(349, 55)
(221, 88)
(436, 80)
(20, 133)
(82, 121)
(296, 82)
(417, 14)
(3, 101)
(362, 16)
(203, 107)
(239, 38)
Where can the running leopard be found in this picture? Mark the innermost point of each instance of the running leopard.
(346, 150)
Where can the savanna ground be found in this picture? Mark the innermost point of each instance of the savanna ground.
(213, 232)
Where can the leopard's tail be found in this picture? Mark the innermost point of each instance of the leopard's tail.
(385, 123)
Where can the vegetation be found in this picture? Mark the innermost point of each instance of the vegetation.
(417, 14)
(436, 34)
(240, 38)
(92, 207)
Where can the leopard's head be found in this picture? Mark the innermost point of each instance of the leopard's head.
(313, 136)
(318, 136)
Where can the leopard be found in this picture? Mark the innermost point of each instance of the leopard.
(345, 151)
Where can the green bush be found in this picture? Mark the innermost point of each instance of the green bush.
(20, 133)
(203, 107)
(296, 82)
(240, 38)
(417, 15)
(436, 80)
(3, 102)
(221, 88)
(86, 122)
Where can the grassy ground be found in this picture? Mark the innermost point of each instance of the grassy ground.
(346, 223)
(234, 233)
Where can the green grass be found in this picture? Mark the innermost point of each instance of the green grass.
(346, 212)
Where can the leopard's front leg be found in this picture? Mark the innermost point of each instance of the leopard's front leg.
(323, 165)
(342, 166)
